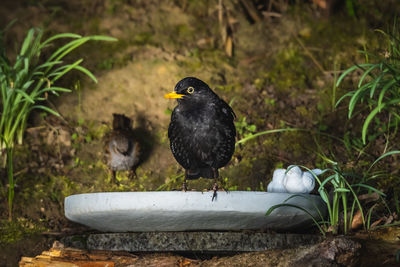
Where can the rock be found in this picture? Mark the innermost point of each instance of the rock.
(338, 251)
(194, 242)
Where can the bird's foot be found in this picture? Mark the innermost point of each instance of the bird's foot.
(215, 189)
(114, 178)
(184, 187)
(132, 174)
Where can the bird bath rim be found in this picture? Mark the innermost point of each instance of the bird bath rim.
(190, 211)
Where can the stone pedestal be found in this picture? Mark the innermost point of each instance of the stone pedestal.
(206, 242)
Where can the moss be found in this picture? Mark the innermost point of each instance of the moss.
(21, 228)
(143, 38)
(288, 70)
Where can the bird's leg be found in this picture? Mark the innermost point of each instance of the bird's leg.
(132, 173)
(114, 177)
(215, 187)
(184, 186)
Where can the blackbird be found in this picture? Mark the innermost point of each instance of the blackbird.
(201, 132)
(122, 149)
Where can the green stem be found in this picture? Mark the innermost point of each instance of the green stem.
(344, 199)
(10, 181)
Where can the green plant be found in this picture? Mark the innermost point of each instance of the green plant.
(168, 185)
(379, 85)
(18, 229)
(243, 128)
(342, 203)
(253, 135)
(25, 83)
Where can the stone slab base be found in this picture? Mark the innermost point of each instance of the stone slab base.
(207, 242)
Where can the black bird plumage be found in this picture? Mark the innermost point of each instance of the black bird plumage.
(202, 131)
(122, 149)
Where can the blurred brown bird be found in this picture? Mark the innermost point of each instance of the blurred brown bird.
(122, 150)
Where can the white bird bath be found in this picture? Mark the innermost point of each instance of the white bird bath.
(190, 211)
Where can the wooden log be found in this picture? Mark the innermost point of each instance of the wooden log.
(69, 258)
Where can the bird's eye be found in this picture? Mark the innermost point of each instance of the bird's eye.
(190, 90)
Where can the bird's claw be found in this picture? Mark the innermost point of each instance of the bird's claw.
(184, 187)
(215, 189)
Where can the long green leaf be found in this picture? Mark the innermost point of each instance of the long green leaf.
(34, 51)
(355, 199)
(67, 69)
(345, 73)
(25, 95)
(55, 88)
(352, 68)
(366, 73)
(370, 188)
(87, 72)
(354, 99)
(328, 179)
(49, 110)
(59, 36)
(341, 190)
(27, 41)
(344, 203)
(323, 195)
(375, 84)
(27, 84)
(343, 97)
(384, 89)
(368, 121)
(270, 210)
(267, 132)
(393, 152)
(47, 64)
(67, 48)
(308, 197)
(372, 114)
(103, 38)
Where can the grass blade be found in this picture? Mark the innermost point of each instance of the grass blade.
(393, 152)
(245, 139)
(370, 188)
(25, 95)
(373, 114)
(270, 210)
(49, 110)
(343, 97)
(366, 73)
(384, 89)
(59, 36)
(27, 42)
(352, 68)
(87, 72)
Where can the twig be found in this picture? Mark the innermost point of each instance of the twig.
(61, 116)
(20, 172)
(309, 54)
(271, 14)
(253, 12)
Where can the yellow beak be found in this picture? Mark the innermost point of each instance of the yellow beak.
(173, 95)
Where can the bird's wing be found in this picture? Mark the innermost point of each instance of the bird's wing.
(122, 143)
(215, 142)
